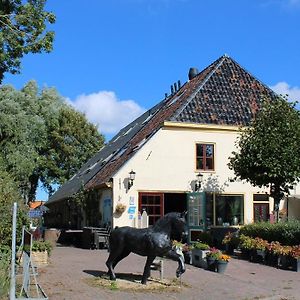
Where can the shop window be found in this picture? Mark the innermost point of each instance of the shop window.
(229, 210)
(152, 203)
(205, 157)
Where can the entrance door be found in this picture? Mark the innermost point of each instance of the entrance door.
(261, 212)
(196, 215)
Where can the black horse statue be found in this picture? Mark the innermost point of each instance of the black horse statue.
(151, 242)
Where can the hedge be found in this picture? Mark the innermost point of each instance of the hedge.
(287, 233)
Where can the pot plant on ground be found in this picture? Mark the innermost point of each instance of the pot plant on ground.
(212, 256)
(199, 252)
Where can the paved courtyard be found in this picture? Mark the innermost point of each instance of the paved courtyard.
(70, 270)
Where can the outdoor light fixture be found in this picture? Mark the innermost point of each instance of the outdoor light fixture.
(198, 181)
(131, 179)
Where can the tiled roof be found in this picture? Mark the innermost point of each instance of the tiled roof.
(223, 93)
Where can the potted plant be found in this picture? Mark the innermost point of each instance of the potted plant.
(199, 252)
(40, 252)
(273, 251)
(222, 263)
(295, 254)
(120, 208)
(212, 257)
(246, 245)
(231, 241)
(260, 246)
(187, 253)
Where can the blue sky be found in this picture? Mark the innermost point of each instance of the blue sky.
(114, 59)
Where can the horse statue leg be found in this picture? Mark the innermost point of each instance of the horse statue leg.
(147, 269)
(180, 259)
(112, 261)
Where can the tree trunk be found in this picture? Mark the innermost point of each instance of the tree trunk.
(277, 195)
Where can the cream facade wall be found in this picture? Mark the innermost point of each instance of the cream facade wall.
(167, 163)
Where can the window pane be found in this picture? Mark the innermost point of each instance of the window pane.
(200, 163)
(209, 150)
(199, 149)
(229, 209)
(209, 164)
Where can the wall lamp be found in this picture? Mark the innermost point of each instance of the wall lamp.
(198, 181)
(131, 179)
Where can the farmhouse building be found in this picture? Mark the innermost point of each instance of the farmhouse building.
(174, 157)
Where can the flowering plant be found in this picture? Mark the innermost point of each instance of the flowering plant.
(231, 238)
(295, 252)
(187, 248)
(120, 208)
(214, 253)
(224, 257)
(260, 244)
(275, 248)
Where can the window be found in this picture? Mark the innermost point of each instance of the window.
(205, 157)
(261, 212)
(229, 209)
(261, 209)
(152, 204)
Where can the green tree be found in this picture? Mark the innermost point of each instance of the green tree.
(42, 138)
(23, 31)
(269, 150)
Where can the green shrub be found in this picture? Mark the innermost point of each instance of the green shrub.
(5, 256)
(41, 246)
(201, 246)
(287, 233)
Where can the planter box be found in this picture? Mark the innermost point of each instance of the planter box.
(38, 258)
(199, 258)
(296, 264)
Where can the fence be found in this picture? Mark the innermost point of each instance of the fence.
(25, 274)
(142, 220)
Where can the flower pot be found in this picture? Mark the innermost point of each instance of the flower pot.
(199, 258)
(296, 264)
(188, 257)
(221, 266)
(211, 264)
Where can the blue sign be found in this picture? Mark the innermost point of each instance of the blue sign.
(131, 209)
(35, 214)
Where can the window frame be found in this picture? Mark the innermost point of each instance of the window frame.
(204, 157)
(161, 204)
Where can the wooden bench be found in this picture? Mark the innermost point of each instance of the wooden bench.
(100, 236)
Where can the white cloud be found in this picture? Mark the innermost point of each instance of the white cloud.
(284, 88)
(107, 111)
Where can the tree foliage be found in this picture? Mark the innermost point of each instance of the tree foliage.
(42, 138)
(23, 31)
(269, 150)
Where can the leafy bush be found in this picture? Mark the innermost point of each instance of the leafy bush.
(5, 255)
(287, 233)
(41, 246)
(201, 246)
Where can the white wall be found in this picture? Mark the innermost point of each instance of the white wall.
(167, 163)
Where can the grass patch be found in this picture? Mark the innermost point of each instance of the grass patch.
(132, 282)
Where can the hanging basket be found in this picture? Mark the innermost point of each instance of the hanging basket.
(120, 208)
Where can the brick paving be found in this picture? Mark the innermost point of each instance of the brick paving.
(66, 275)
